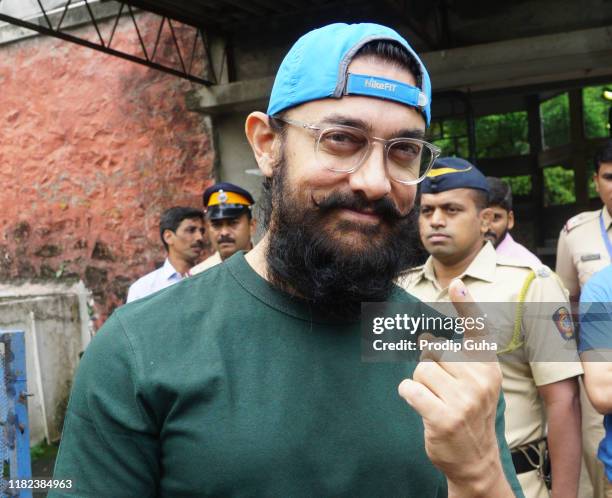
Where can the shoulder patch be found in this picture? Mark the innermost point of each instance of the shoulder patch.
(580, 219)
(563, 321)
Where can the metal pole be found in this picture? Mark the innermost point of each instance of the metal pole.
(39, 383)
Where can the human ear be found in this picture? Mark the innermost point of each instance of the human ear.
(510, 220)
(486, 218)
(168, 236)
(263, 140)
(596, 182)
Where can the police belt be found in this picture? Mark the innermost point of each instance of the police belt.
(527, 457)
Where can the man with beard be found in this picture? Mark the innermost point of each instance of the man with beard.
(181, 231)
(229, 222)
(247, 380)
(540, 364)
(502, 221)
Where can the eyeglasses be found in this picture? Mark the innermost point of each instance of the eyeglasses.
(344, 149)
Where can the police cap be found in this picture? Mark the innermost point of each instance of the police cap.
(226, 200)
(449, 173)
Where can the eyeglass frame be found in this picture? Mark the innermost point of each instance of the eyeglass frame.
(387, 143)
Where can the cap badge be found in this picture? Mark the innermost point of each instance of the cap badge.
(222, 196)
(444, 171)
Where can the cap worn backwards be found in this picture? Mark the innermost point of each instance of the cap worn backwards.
(450, 173)
(316, 67)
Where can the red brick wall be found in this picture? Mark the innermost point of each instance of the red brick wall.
(92, 149)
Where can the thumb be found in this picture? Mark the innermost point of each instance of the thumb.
(462, 299)
(464, 304)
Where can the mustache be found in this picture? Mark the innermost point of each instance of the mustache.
(199, 244)
(342, 200)
(225, 239)
(490, 234)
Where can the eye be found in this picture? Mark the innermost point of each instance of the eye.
(341, 142)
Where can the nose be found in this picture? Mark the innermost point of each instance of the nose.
(437, 219)
(371, 178)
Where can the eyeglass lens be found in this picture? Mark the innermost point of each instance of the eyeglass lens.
(344, 150)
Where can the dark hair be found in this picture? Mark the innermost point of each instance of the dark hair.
(394, 53)
(604, 155)
(172, 218)
(500, 193)
(480, 198)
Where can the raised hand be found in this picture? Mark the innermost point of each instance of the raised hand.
(458, 401)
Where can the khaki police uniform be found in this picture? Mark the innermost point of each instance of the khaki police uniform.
(582, 252)
(495, 279)
(209, 262)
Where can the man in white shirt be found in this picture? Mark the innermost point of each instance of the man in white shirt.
(182, 232)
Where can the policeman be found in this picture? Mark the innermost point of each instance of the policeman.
(583, 249)
(453, 221)
(229, 222)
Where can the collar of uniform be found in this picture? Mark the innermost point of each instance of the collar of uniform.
(484, 264)
(482, 268)
(168, 272)
(428, 271)
(607, 219)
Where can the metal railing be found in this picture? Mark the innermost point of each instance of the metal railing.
(168, 45)
(15, 434)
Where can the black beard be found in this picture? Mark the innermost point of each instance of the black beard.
(304, 258)
(496, 240)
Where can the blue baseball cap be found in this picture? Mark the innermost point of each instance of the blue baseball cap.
(449, 173)
(316, 67)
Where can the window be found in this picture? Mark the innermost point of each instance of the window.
(451, 136)
(554, 114)
(502, 135)
(596, 111)
(559, 186)
(520, 185)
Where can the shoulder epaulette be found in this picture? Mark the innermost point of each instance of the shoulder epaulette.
(580, 219)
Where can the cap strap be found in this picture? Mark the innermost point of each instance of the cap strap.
(375, 86)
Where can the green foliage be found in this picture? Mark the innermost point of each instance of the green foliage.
(42, 450)
(501, 135)
(558, 186)
(451, 136)
(596, 111)
(520, 185)
(554, 114)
